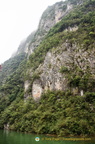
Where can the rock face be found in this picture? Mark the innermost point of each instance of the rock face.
(51, 16)
(67, 56)
(51, 78)
(36, 90)
(26, 85)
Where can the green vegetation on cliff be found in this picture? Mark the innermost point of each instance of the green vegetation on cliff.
(57, 112)
(13, 82)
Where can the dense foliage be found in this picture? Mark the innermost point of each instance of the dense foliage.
(13, 81)
(10, 66)
(57, 113)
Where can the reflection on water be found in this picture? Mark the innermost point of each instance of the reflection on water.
(9, 137)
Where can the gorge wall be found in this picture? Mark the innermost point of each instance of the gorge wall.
(48, 86)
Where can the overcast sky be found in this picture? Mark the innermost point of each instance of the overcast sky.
(18, 18)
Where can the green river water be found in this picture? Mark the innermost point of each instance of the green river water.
(10, 137)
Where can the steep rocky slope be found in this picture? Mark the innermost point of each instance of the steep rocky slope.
(53, 90)
(65, 56)
(52, 15)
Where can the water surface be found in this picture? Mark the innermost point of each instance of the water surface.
(10, 137)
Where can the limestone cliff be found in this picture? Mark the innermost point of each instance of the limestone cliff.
(51, 16)
(72, 57)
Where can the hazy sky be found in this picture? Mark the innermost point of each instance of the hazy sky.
(18, 18)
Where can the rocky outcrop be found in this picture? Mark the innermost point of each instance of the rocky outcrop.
(6, 126)
(75, 28)
(26, 85)
(51, 77)
(37, 89)
(68, 56)
(51, 16)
